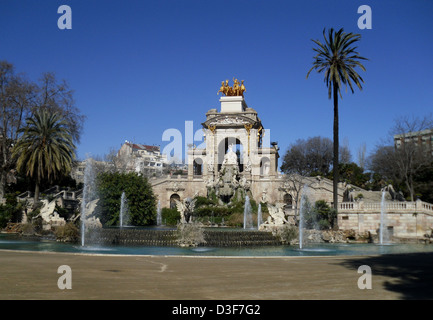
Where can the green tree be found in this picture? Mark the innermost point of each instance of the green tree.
(45, 150)
(353, 174)
(138, 192)
(19, 99)
(10, 211)
(337, 58)
(321, 216)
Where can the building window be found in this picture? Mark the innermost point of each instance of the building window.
(198, 165)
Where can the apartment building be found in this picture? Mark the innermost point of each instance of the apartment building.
(423, 139)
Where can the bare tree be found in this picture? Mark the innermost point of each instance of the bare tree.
(119, 161)
(308, 157)
(58, 97)
(294, 185)
(402, 161)
(16, 98)
(345, 154)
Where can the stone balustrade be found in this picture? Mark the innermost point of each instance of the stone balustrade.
(402, 219)
(390, 206)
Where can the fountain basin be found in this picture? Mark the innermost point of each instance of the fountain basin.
(14, 242)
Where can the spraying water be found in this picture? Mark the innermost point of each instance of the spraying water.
(158, 214)
(124, 217)
(302, 208)
(248, 218)
(259, 216)
(382, 217)
(89, 189)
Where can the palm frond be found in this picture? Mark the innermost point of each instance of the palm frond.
(337, 58)
(45, 149)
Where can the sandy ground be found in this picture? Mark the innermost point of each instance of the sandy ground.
(34, 276)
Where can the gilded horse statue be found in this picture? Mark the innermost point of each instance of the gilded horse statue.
(238, 89)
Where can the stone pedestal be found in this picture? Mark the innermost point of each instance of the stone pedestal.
(233, 104)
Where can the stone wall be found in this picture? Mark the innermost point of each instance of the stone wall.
(403, 225)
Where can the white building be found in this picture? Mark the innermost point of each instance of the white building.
(144, 159)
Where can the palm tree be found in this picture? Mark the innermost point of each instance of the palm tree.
(337, 58)
(45, 150)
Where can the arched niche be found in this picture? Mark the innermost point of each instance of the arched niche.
(198, 167)
(288, 201)
(174, 197)
(238, 148)
(265, 166)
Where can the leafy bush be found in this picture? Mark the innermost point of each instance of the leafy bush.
(170, 216)
(28, 229)
(11, 211)
(68, 232)
(321, 216)
(288, 233)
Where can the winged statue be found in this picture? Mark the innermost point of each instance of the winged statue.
(277, 216)
(186, 209)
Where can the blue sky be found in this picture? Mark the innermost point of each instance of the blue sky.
(141, 67)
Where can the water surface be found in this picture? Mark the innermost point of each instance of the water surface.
(13, 242)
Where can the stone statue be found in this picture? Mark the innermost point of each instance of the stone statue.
(210, 182)
(348, 194)
(186, 209)
(244, 183)
(230, 157)
(395, 196)
(235, 182)
(247, 166)
(264, 198)
(276, 215)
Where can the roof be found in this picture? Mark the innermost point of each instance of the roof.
(137, 146)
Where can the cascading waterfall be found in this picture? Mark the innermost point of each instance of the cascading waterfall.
(248, 218)
(259, 216)
(158, 214)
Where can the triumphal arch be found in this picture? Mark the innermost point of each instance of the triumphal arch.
(238, 157)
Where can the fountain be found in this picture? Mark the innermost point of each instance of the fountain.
(302, 208)
(259, 216)
(124, 216)
(248, 218)
(382, 218)
(158, 214)
(88, 203)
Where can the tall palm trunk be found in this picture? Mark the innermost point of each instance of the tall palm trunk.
(336, 147)
(337, 58)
